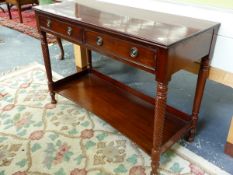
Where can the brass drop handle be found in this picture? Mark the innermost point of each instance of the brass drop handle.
(99, 41)
(48, 23)
(69, 31)
(133, 52)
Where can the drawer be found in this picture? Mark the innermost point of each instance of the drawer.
(121, 48)
(62, 29)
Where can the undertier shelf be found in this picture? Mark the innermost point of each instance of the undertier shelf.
(129, 114)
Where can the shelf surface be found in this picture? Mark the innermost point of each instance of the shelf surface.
(129, 114)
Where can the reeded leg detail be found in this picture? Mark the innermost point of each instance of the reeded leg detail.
(201, 81)
(160, 109)
(47, 64)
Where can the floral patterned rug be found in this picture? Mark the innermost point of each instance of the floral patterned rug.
(38, 138)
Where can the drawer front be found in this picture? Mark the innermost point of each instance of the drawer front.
(62, 29)
(121, 48)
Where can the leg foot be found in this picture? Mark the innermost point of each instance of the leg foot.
(191, 135)
(53, 100)
(192, 132)
(155, 162)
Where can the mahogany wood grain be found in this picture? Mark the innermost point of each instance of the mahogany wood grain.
(121, 48)
(61, 29)
(117, 106)
(154, 27)
(181, 115)
(126, 61)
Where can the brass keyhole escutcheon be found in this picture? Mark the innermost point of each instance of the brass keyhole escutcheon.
(133, 52)
(99, 41)
(49, 23)
(69, 31)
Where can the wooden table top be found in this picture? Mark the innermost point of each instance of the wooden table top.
(160, 28)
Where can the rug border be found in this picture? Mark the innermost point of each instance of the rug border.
(186, 154)
(177, 148)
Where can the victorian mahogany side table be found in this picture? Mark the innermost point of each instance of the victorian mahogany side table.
(158, 43)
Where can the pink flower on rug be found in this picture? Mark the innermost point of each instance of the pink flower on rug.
(36, 135)
(20, 173)
(60, 154)
(8, 107)
(77, 171)
(24, 85)
(196, 170)
(2, 95)
(87, 134)
(137, 170)
(50, 106)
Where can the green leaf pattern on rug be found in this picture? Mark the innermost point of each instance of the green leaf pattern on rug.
(48, 161)
(89, 144)
(79, 159)
(8, 121)
(176, 168)
(60, 172)
(101, 173)
(49, 155)
(166, 156)
(102, 136)
(38, 124)
(85, 124)
(58, 143)
(50, 148)
(53, 136)
(21, 108)
(2, 139)
(21, 163)
(120, 169)
(36, 147)
(73, 131)
(49, 114)
(67, 156)
(132, 159)
(22, 133)
(17, 117)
